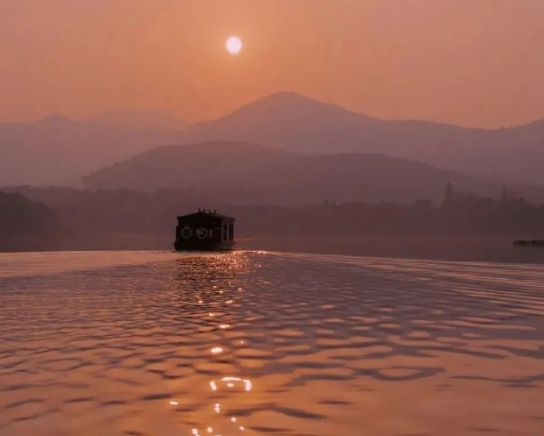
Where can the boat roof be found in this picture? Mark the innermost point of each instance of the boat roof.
(208, 213)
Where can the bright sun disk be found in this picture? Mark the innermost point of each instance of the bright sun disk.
(234, 45)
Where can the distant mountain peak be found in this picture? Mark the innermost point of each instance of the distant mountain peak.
(290, 103)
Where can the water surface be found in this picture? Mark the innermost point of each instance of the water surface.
(248, 343)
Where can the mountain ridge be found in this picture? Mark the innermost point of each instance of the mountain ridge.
(57, 149)
(244, 172)
(297, 123)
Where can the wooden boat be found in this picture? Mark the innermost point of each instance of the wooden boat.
(205, 231)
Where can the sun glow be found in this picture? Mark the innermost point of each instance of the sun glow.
(234, 45)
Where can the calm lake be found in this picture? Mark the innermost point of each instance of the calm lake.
(259, 343)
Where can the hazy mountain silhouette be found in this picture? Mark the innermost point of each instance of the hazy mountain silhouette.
(242, 172)
(59, 150)
(157, 119)
(296, 123)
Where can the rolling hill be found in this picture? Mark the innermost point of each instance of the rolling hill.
(295, 123)
(246, 173)
(57, 150)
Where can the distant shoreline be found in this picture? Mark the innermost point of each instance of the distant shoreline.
(477, 249)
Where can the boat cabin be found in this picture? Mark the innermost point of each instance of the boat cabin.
(205, 231)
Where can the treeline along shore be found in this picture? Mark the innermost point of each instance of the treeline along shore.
(33, 219)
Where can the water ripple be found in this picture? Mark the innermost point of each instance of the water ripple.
(142, 344)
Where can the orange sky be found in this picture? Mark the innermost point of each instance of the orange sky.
(468, 62)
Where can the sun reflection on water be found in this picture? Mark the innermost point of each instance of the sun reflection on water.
(214, 279)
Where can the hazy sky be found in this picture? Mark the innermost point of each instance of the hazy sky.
(469, 62)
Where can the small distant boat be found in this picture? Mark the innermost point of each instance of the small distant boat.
(205, 231)
(532, 243)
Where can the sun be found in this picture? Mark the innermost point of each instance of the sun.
(234, 45)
